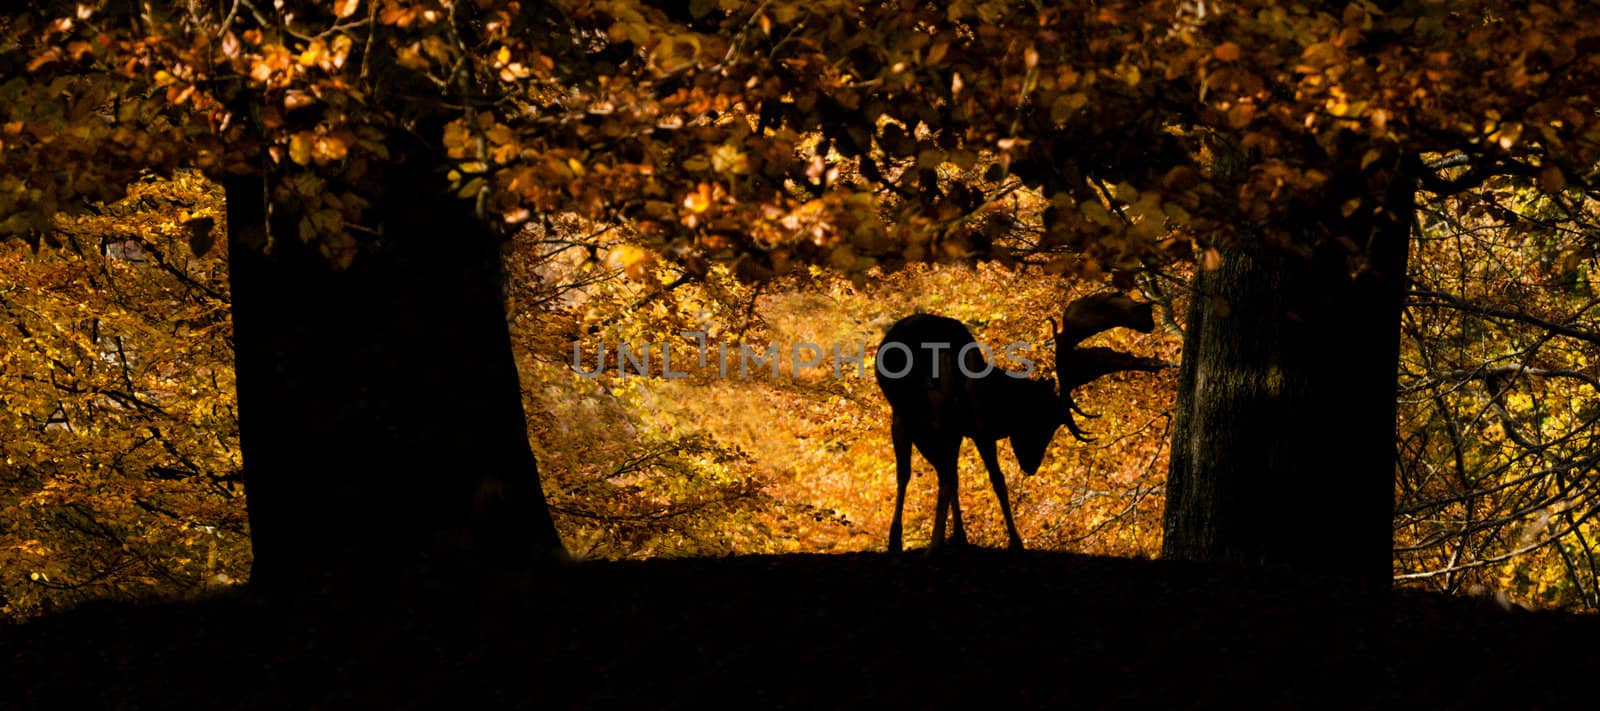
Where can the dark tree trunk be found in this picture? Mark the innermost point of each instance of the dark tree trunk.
(380, 411)
(1283, 454)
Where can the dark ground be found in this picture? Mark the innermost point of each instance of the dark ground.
(816, 631)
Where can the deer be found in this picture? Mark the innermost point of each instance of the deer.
(941, 390)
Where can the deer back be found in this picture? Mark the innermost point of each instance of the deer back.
(922, 384)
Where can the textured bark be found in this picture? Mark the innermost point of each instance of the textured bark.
(1283, 452)
(380, 411)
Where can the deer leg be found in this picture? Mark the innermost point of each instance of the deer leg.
(944, 460)
(958, 535)
(902, 476)
(986, 450)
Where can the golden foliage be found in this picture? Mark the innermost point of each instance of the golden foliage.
(120, 445)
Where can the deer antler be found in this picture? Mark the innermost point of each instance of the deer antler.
(1089, 315)
(1072, 425)
(1081, 366)
(1077, 366)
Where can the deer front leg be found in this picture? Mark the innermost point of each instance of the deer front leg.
(986, 450)
(902, 475)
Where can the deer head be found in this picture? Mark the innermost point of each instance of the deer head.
(1036, 417)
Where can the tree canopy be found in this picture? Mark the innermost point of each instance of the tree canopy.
(844, 133)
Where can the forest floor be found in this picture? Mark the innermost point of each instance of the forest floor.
(972, 627)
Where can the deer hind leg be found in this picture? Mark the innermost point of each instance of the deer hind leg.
(986, 450)
(945, 458)
(958, 535)
(902, 475)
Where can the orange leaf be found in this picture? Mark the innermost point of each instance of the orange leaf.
(1241, 115)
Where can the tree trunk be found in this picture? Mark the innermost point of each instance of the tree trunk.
(1283, 453)
(379, 406)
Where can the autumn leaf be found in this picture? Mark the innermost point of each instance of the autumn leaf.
(300, 147)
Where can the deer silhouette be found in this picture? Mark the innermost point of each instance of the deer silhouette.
(941, 389)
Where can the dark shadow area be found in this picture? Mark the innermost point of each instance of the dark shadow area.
(953, 629)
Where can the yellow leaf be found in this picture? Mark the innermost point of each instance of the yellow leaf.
(328, 149)
(410, 58)
(471, 188)
(727, 158)
(1129, 74)
(1320, 54)
(346, 8)
(300, 147)
(312, 53)
(1370, 156)
(341, 50)
(633, 260)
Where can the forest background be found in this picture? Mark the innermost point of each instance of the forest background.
(121, 462)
